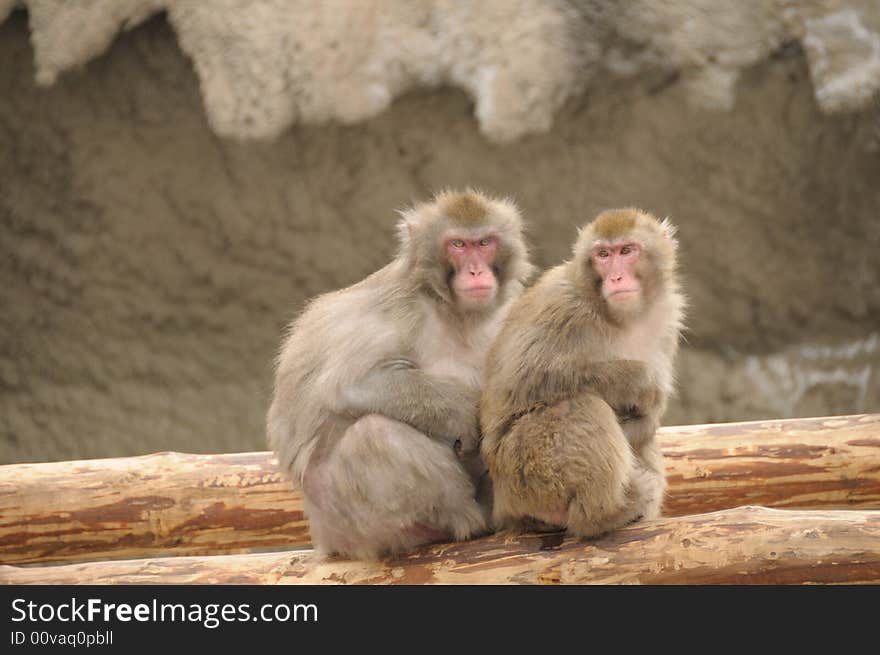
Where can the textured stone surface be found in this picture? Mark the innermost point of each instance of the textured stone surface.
(148, 266)
(265, 64)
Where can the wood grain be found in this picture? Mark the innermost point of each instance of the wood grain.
(137, 506)
(745, 545)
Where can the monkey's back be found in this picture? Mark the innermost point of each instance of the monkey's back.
(334, 341)
(543, 324)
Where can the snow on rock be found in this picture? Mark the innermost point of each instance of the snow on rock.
(844, 60)
(264, 65)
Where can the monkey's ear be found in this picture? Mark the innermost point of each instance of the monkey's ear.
(669, 231)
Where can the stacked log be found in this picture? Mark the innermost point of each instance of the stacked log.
(194, 517)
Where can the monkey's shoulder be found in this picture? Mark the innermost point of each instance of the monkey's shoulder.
(553, 307)
(377, 294)
(338, 330)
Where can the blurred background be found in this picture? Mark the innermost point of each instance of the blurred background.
(177, 178)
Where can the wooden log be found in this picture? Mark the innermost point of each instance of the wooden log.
(150, 505)
(746, 545)
(209, 504)
(830, 463)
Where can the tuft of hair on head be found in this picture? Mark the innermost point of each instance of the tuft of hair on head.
(466, 208)
(614, 223)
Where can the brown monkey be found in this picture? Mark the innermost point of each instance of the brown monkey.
(578, 378)
(375, 414)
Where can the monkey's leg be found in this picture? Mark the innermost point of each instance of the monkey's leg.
(639, 430)
(385, 488)
(527, 494)
(632, 491)
(649, 478)
(568, 465)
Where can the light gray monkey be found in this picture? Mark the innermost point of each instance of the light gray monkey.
(375, 414)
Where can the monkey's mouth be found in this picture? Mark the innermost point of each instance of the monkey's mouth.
(622, 292)
(479, 292)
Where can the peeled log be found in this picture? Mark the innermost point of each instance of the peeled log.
(829, 463)
(746, 545)
(173, 503)
(151, 505)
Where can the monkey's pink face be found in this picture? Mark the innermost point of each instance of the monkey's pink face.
(473, 279)
(616, 263)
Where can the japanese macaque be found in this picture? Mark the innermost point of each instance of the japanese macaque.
(375, 414)
(578, 378)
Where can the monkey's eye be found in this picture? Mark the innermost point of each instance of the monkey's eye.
(485, 242)
(457, 243)
(626, 250)
(602, 254)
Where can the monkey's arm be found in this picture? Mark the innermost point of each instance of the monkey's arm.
(627, 386)
(441, 407)
(622, 383)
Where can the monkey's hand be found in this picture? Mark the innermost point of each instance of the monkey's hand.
(461, 423)
(628, 413)
(645, 401)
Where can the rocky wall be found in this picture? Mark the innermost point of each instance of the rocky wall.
(148, 261)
